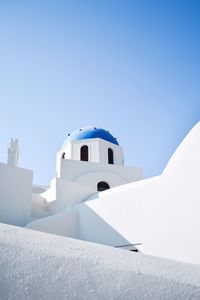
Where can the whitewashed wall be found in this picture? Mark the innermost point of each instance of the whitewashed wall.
(64, 223)
(15, 195)
(98, 151)
(162, 213)
(72, 170)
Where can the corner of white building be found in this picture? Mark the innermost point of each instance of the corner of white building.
(15, 195)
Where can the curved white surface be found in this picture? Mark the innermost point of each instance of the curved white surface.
(163, 213)
(36, 265)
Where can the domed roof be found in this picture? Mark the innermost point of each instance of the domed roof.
(90, 133)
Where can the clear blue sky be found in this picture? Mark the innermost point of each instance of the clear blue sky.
(132, 67)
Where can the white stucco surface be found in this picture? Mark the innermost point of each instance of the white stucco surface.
(63, 223)
(37, 265)
(15, 195)
(162, 213)
(76, 181)
(98, 151)
(73, 170)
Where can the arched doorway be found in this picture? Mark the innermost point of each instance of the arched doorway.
(102, 186)
(84, 153)
(110, 156)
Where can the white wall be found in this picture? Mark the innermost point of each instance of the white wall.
(91, 180)
(66, 150)
(15, 195)
(40, 207)
(98, 152)
(72, 170)
(117, 153)
(70, 193)
(63, 223)
(66, 193)
(162, 213)
(78, 182)
(93, 145)
(48, 267)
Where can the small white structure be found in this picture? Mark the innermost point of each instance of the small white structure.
(13, 153)
(90, 161)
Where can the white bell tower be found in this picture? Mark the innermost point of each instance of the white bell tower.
(93, 150)
(90, 161)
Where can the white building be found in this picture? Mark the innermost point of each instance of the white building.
(90, 161)
(94, 197)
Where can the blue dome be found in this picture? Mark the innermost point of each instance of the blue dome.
(91, 133)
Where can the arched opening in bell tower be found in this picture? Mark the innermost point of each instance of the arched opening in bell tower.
(84, 155)
(110, 156)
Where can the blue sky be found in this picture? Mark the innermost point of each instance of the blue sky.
(132, 67)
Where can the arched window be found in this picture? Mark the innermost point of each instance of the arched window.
(84, 153)
(110, 156)
(102, 186)
(63, 155)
